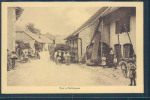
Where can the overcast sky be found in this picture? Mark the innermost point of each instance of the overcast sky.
(57, 21)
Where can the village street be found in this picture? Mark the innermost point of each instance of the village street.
(44, 72)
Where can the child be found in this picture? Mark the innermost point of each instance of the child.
(132, 74)
(103, 61)
(115, 62)
(67, 58)
(58, 59)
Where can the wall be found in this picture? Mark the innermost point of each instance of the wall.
(20, 35)
(108, 33)
(10, 31)
(104, 29)
(86, 36)
(123, 37)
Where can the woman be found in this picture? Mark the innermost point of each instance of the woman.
(111, 58)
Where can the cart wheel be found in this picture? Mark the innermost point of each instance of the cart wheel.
(124, 68)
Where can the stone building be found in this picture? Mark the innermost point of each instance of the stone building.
(27, 36)
(109, 27)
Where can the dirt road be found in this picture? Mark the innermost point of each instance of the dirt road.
(44, 72)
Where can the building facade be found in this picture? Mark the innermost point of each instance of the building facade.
(109, 27)
(13, 13)
(23, 34)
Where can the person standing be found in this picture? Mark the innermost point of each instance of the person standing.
(132, 74)
(55, 56)
(67, 58)
(58, 57)
(62, 57)
(103, 60)
(111, 58)
(13, 58)
(9, 62)
(115, 62)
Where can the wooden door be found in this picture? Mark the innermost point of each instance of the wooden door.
(117, 51)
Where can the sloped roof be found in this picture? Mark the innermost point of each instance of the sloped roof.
(98, 14)
(49, 36)
(45, 39)
(32, 35)
(90, 20)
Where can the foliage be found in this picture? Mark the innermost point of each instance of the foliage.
(38, 46)
(31, 27)
(22, 45)
(19, 41)
(62, 47)
(56, 47)
(27, 45)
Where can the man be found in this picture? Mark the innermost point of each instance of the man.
(13, 58)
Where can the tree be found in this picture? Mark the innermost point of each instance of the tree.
(38, 46)
(31, 27)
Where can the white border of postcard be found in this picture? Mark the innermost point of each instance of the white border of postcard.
(83, 89)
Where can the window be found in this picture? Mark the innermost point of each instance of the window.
(128, 51)
(122, 25)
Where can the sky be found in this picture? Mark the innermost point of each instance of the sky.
(56, 20)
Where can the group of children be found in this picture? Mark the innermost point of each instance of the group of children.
(62, 56)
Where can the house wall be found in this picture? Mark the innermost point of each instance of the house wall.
(108, 32)
(73, 43)
(104, 29)
(20, 35)
(86, 36)
(123, 38)
(11, 19)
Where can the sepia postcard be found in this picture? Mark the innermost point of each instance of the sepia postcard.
(72, 47)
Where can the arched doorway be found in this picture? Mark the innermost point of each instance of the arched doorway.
(105, 49)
